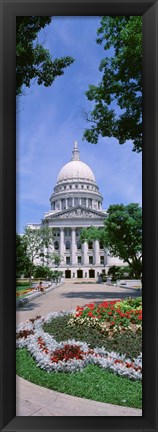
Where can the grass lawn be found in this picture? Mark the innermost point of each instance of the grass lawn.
(92, 383)
(20, 288)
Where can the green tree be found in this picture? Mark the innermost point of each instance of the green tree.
(42, 272)
(122, 234)
(32, 60)
(117, 99)
(36, 240)
(117, 272)
(57, 259)
(23, 262)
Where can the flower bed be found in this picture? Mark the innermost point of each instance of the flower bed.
(72, 355)
(110, 316)
(23, 292)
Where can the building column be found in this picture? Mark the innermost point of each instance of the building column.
(73, 246)
(72, 202)
(85, 253)
(96, 252)
(86, 202)
(66, 203)
(61, 246)
(105, 256)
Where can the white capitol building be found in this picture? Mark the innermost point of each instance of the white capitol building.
(76, 203)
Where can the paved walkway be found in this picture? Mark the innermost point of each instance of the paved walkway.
(33, 400)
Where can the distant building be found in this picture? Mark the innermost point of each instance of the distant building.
(76, 203)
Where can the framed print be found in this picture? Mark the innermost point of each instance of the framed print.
(149, 12)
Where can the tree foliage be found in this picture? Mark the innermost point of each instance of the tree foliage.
(23, 262)
(117, 272)
(32, 60)
(121, 82)
(57, 259)
(122, 234)
(43, 272)
(37, 240)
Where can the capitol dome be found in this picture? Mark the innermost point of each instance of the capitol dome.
(76, 185)
(75, 169)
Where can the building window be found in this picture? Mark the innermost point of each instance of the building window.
(90, 260)
(90, 245)
(78, 245)
(102, 260)
(67, 260)
(82, 186)
(76, 186)
(76, 201)
(87, 187)
(85, 275)
(77, 232)
(83, 201)
(64, 187)
(67, 245)
(73, 275)
(63, 204)
(89, 202)
(56, 245)
(67, 233)
(101, 245)
(79, 259)
(70, 187)
(69, 202)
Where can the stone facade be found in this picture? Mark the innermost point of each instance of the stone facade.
(76, 203)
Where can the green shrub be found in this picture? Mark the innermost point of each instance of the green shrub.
(42, 272)
(129, 304)
(117, 272)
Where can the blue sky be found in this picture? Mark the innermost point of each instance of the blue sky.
(50, 119)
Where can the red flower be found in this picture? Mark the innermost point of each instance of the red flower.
(90, 305)
(90, 314)
(118, 361)
(66, 353)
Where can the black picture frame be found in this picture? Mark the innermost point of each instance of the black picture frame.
(149, 11)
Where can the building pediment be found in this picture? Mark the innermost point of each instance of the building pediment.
(78, 212)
